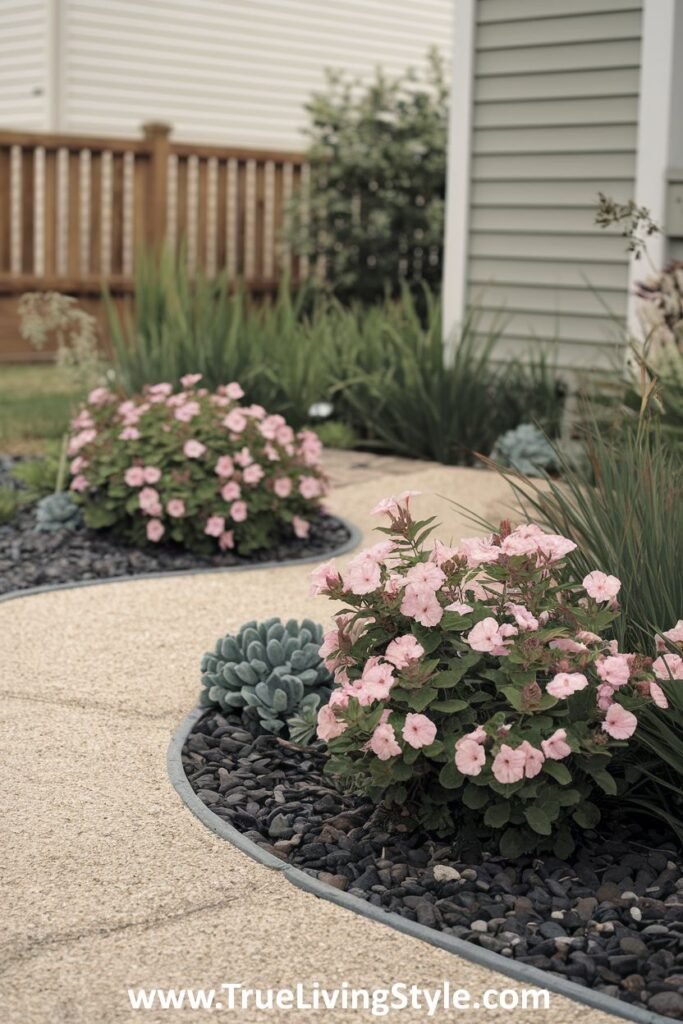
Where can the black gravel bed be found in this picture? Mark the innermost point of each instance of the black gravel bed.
(610, 918)
(31, 558)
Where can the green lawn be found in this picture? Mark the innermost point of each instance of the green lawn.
(35, 405)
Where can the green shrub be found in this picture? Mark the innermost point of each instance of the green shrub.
(38, 477)
(272, 673)
(9, 504)
(475, 693)
(375, 208)
(193, 467)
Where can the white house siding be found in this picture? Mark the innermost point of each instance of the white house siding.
(233, 71)
(554, 121)
(24, 64)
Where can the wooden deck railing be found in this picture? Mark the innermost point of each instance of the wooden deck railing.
(75, 210)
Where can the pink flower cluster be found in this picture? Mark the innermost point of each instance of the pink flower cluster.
(509, 598)
(163, 445)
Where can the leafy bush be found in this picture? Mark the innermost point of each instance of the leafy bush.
(393, 384)
(374, 211)
(272, 672)
(193, 467)
(475, 692)
(9, 504)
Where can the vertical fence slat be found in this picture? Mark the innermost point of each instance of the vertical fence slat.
(38, 212)
(172, 203)
(15, 210)
(128, 214)
(304, 188)
(192, 212)
(231, 219)
(269, 220)
(84, 213)
(106, 181)
(211, 214)
(250, 220)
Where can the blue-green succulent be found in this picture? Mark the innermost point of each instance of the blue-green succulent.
(58, 512)
(525, 449)
(272, 674)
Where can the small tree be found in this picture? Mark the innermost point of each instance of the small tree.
(374, 215)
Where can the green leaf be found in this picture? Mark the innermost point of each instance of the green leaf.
(450, 777)
(497, 815)
(568, 797)
(475, 797)
(558, 771)
(449, 705)
(538, 820)
(606, 782)
(512, 843)
(452, 676)
(587, 815)
(418, 700)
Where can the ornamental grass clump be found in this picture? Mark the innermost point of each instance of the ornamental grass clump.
(193, 467)
(475, 694)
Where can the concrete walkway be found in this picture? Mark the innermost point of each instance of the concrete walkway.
(109, 882)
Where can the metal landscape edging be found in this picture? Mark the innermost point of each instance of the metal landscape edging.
(531, 976)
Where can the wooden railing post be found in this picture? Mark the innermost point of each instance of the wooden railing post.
(157, 136)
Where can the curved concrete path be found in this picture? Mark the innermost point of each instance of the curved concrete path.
(109, 882)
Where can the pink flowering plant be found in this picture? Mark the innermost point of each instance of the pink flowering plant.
(193, 467)
(475, 693)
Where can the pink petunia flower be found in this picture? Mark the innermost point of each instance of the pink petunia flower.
(377, 679)
(175, 508)
(283, 487)
(151, 474)
(523, 617)
(403, 651)
(309, 487)
(129, 434)
(394, 505)
(100, 396)
(614, 669)
(426, 573)
(190, 379)
(489, 637)
(673, 635)
(470, 757)
(225, 466)
(383, 742)
(79, 483)
(77, 465)
(252, 474)
(362, 575)
(134, 476)
(187, 412)
(233, 390)
(215, 525)
(231, 491)
(534, 760)
(155, 530)
(556, 747)
(238, 511)
(301, 527)
(193, 449)
(329, 727)
(601, 587)
(323, 579)
(658, 696)
(508, 764)
(564, 684)
(244, 457)
(668, 666)
(477, 735)
(478, 551)
(418, 731)
(420, 603)
(149, 502)
(235, 421)
(619, 723)
(459, 607)
(605, 696)
(226, 540)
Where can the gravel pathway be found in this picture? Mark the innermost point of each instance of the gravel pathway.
(108, 881)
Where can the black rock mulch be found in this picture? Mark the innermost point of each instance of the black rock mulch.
(31, 558)
(610, 919)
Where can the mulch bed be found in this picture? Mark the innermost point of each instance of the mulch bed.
(611, 918)
(33, 558)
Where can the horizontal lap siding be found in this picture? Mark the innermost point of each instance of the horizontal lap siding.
(24, 60)
(233, 71)
(554, 123)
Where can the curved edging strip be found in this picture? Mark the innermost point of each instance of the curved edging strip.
(530, 976)
(355, 537)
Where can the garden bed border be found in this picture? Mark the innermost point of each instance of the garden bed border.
(531, 976)
(354, 540)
